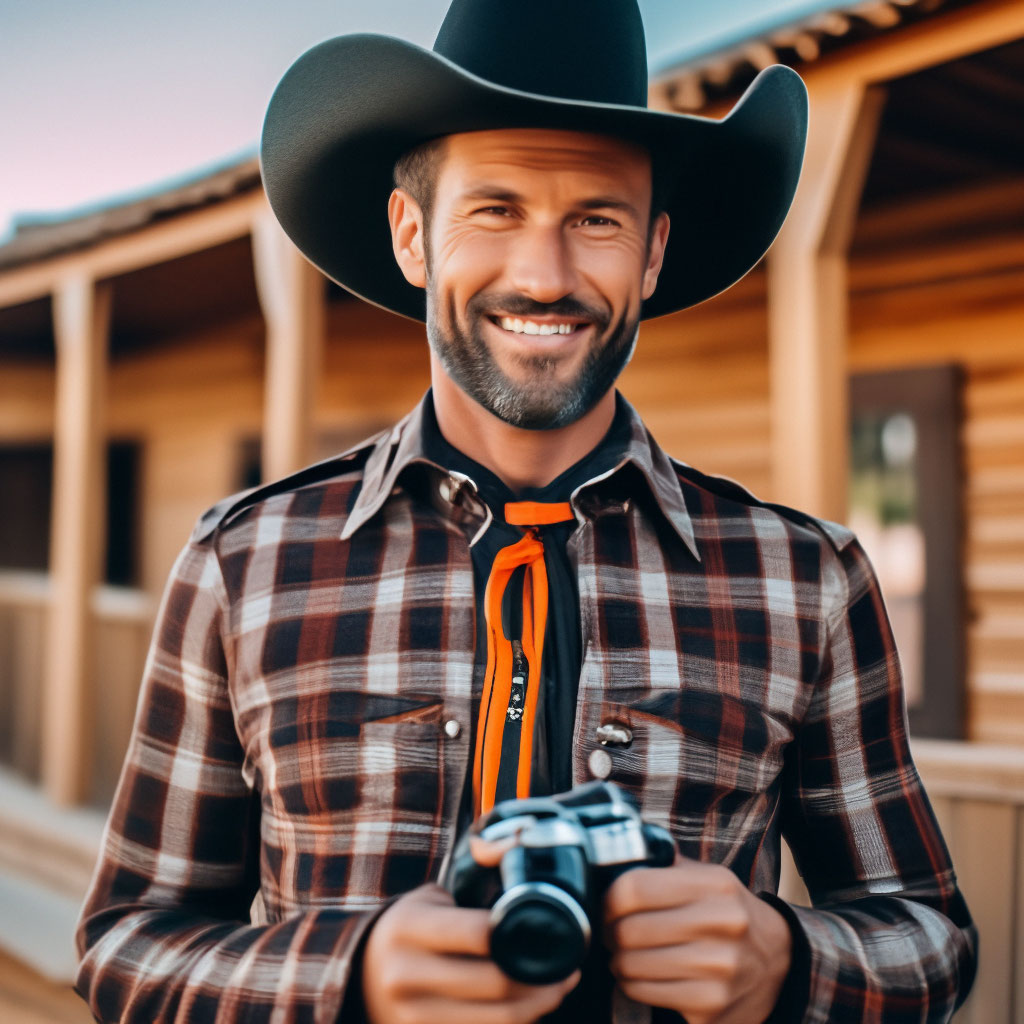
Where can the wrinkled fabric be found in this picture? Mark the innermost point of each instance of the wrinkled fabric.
(305, 726)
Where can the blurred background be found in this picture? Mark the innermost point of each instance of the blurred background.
(162, 345)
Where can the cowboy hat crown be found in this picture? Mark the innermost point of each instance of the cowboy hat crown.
(348, 108)
(595, 53)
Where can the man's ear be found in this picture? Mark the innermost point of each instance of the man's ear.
(655, 254)
(406, 220)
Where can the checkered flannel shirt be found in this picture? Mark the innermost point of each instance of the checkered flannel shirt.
(305, 726)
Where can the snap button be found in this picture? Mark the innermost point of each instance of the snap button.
(614, 734)
(600, 763)
(452, 729)
(448, 488)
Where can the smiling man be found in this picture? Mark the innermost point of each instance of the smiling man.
(515, 591)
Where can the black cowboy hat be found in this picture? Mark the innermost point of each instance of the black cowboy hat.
(348, 108)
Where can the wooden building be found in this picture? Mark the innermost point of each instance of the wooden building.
(158, 355)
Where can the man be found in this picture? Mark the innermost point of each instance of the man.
(516, 590)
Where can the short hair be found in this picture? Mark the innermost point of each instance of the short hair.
(417, 170)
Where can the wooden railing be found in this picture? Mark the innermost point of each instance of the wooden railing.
(978, 795)
(977, 791)
(122, 620)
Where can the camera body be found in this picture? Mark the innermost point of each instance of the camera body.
(545, 896)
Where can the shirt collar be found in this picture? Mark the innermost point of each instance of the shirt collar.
(402, 446)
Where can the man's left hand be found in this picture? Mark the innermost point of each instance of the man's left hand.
(694, 939)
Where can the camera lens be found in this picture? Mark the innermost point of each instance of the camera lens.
(539, 933)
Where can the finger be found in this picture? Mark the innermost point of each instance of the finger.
(697, 961)
(686, 881)
(457, 977)
(707, 918)
(532, 1003)
(488, 852)
(451, 930)
(695, 1000)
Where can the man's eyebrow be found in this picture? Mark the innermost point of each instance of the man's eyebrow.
(609, 203)
(497, 192)
(502, 194)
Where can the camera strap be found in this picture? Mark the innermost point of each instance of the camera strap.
(513, 675)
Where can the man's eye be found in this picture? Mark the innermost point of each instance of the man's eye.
(598, 221)
(500, 211)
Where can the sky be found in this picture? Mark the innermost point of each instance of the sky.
(109, 99)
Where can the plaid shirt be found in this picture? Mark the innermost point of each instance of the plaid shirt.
(304, 730)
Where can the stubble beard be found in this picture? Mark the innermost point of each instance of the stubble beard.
(538, 402)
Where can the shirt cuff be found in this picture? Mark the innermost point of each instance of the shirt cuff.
(353, 1009)
(796, 989)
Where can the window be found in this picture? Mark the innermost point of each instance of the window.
(26, 480)
(26, 483)
(905, 499)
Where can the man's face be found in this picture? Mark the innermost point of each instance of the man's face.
(537, 259)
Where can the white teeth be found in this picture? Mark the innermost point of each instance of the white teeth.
(517, 326)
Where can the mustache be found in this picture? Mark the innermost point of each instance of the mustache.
(513, 304)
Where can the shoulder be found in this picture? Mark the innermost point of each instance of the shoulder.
(343, 471)
(729, 498)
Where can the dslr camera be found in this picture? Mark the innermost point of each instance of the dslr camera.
(545, 896)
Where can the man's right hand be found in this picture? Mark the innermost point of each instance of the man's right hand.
(427, 961)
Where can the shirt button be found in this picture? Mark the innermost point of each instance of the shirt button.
(614, 734)
(452, 729)
(600, 763)
(448, 487)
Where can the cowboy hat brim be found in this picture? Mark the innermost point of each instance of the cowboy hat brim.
(347, 109)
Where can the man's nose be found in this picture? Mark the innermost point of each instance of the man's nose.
(541, 265)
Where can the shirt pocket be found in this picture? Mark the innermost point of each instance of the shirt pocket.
(352, 798)
(356, 755)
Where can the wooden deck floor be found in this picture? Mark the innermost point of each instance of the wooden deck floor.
(28, 998)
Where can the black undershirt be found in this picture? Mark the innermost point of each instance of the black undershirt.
(561, 660)
(560, 664)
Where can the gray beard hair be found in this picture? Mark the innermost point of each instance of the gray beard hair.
(468, 361)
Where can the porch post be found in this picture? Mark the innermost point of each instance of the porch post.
(77, 549)
(807, 304)
(292, 296)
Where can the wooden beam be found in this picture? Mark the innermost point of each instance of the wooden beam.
(935, 40)
(955, 261)
(156, 243)
(81, 327)
(293, 298)
(889, 224)
(807, 305)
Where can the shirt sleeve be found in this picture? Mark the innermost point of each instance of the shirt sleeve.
(165, 933)
(889, 935)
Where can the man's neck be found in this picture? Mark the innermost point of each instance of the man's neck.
(521, 458)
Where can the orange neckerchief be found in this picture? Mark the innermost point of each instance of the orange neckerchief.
(498, 703)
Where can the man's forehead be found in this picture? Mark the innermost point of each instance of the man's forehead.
(544, 149)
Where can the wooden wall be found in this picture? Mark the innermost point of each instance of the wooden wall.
(950, 294)
(700, 380)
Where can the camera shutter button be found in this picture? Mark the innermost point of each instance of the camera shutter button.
(614, 734)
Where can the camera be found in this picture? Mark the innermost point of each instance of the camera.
(545, 896)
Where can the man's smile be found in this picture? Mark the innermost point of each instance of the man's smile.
(537, 325)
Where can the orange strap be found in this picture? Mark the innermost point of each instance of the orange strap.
(494, 702)
(537, 513)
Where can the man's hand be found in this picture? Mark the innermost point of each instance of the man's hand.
(427, 962)
(693, 938)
